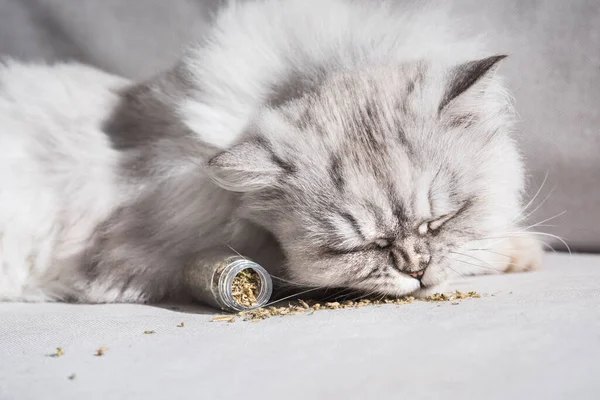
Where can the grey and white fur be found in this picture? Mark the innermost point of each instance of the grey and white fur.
(337, 143)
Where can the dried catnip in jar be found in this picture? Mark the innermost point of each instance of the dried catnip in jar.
(228, 281)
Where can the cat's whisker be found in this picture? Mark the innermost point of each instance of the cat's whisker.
(493, 251)
(501, 238)
(475, 258)
(544, 221)
(529, 214)
(500, 272)
(534, 197)
(490, 268)
(235, 251)
(548, 246)
(341, 292)
(291, 283)
(456, 272)
(524, 233)
(493, 244)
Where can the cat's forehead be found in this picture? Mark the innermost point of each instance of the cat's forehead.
(390, 89)
(378, 77)
(414, 191)
(372, 110)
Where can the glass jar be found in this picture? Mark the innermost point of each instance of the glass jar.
(210, 281)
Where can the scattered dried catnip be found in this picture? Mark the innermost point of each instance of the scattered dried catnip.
(245, 287)
(438, 297)
(59, 352)
(100, 352)
(457, 295)
(225, 318)
(303, 304)
(148, 332)
(310, 306)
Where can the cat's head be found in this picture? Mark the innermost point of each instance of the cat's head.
(372, 180)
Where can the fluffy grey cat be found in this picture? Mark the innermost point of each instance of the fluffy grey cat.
(339, 144)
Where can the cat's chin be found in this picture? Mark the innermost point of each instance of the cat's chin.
(429, 291)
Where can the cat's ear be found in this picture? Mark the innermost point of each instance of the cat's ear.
(468, 77)
(246, 167)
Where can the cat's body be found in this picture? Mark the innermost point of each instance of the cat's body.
(346, 127)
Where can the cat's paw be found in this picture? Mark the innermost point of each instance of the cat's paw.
(525, 254)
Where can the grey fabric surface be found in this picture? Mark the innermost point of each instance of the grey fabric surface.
(537, 337)
(554, 70)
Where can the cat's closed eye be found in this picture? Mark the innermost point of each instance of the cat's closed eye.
(383, 243)
(433, 226)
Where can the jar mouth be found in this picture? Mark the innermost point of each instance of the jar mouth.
(229, 273)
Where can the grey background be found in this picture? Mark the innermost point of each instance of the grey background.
(553, 70)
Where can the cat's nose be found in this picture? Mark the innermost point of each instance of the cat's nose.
(415, 252)
(417, 259)
(423, 259)
(418, 263)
